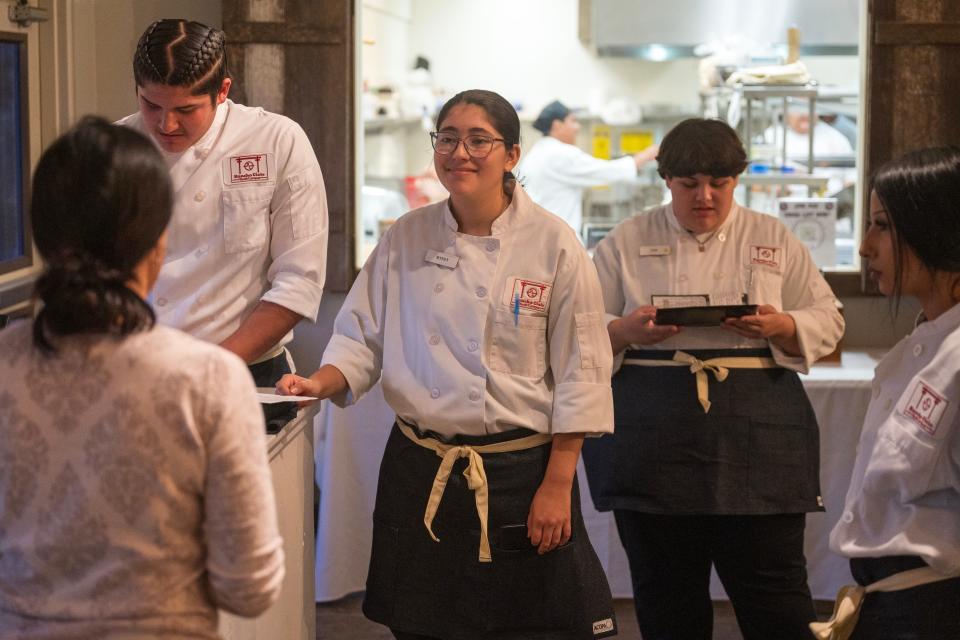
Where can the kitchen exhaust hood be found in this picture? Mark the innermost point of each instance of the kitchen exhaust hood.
(663, 30)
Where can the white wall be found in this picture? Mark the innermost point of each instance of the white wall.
(529, 52)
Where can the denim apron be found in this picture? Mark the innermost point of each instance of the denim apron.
(441, 589)
(755, 452)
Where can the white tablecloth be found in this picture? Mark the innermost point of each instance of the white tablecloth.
(350, 444)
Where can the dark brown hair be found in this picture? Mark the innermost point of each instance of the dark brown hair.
(101, 200)
(501, 113)
(704, 146)
(182, 53)
(920, 192)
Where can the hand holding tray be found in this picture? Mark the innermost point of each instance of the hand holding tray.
(709, 316)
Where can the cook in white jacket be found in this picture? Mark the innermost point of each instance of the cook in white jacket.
(717, 471)
(900, 524)
(555, 171)
(247, 252)
(483, 318)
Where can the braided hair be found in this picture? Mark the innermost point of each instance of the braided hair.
(101, 200)
(182, 53)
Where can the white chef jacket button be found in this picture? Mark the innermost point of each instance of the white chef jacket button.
(199, 196)
(847, 517)
(683, 278)
(434, 393)
(492, 246)
(473, 345)
(161, 302)
(481, 292)
(438, 288)
(722, 237)
(434, 339)
(474, 396)
(917, 349)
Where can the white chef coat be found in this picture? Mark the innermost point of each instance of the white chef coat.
(555, 174)
(479, 334)
(750, 253)
(249, 224)
(904, 494)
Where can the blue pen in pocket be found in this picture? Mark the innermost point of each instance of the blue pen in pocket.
(516, 310)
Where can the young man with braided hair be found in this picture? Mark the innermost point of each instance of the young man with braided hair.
(246, 257)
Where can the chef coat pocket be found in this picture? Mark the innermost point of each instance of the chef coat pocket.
(765, 286)
(246, 218)
(518, 344)
(592, 339)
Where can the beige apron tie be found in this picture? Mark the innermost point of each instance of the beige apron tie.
(846, 609)
(720, 367)
(474, 473)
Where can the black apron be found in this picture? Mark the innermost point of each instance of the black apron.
(757, 451)
(441, 589)
(268, 374)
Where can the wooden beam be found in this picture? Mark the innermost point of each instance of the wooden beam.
(916, 33)
(279, 33)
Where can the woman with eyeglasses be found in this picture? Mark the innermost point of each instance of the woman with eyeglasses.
(900, 524)
(483, 317)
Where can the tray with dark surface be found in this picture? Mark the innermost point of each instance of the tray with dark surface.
(703, 316)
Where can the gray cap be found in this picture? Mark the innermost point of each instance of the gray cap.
(556, 110)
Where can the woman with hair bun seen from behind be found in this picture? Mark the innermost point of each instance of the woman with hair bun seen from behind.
(900, 525)
(136, 496)
(482, 318)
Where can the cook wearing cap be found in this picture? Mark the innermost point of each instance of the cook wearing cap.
(556, 171)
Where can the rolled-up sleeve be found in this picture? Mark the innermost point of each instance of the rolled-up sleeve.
(299, 230)
(580, 355)
(811, 303)
(356, 347)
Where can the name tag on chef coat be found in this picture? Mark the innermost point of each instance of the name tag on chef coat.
(655, 250)
(443, 259)
(248, 168)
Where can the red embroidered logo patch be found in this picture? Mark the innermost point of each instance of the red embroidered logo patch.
(768, 256)
(925, 407)
(529, 294)
(250, 168)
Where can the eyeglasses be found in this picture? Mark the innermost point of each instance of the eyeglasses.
(476, 146)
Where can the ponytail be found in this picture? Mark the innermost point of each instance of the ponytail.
(81, 294)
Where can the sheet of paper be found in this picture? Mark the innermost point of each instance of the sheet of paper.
(269, 396)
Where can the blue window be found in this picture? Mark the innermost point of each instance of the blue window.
(15, 248)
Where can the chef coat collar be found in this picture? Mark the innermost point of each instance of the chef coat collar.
(944, 323)
(202, 146)
(518, 203)
(675, 224)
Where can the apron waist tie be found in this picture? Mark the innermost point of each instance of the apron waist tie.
(719, 367)
(474, 473)
(846, 608)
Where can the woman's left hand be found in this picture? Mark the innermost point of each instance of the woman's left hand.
(548, 525)
(767, 324)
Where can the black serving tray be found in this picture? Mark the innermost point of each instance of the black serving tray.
(703, 316)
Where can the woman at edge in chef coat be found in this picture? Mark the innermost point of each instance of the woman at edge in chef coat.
(484, 317)
(902, 512)
(722, 472)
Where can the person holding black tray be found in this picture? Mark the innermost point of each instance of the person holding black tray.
(715, 455)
